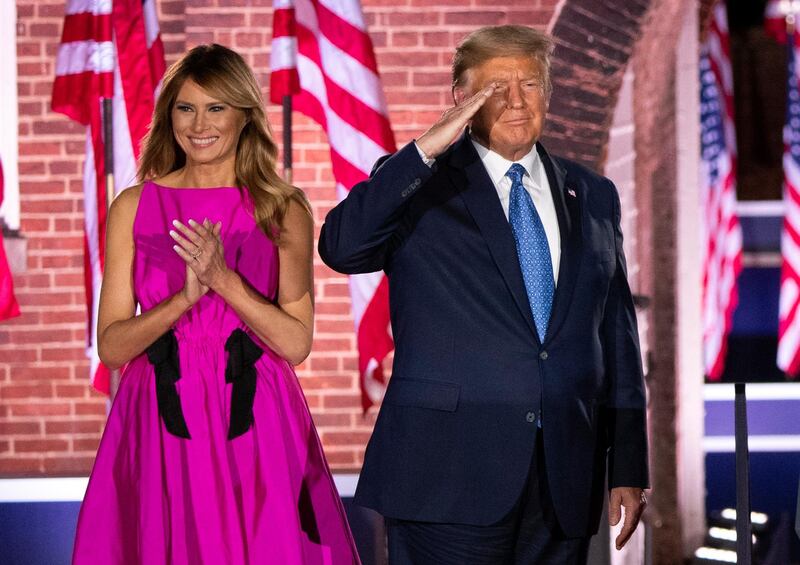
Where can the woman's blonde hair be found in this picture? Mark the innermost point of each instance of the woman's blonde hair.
(223, 74)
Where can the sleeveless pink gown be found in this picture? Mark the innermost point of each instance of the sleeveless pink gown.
(263, 497)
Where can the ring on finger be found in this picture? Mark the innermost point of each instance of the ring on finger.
(197, 253)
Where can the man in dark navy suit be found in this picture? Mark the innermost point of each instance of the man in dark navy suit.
(517, 377)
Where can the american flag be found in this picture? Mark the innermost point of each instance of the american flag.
(789, 316)
(109, 49)
(775, 18)
(322, 56)
(721, 230)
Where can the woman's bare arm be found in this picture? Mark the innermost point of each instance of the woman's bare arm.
(121, 335)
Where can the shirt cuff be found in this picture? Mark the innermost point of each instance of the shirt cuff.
(425, 159)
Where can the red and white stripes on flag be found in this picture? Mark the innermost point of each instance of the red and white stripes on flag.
(722, 233)
(775, 19)
(109, 49)
(322, 56)
(789, 305)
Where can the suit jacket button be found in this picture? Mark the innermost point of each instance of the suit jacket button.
(530, 417)
(543, 355)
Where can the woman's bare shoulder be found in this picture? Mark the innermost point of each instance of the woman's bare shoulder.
(126, 203)
(297, 221)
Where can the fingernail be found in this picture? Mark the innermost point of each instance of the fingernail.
(173, 233)
(175, 223)
(175, 247)
(192, 222)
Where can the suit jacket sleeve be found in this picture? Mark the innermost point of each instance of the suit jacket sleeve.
(360, 232)
(627, 427)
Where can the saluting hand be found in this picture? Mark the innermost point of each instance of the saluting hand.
(453, 121)
(200, 246)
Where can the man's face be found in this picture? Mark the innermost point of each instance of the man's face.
(511, 120)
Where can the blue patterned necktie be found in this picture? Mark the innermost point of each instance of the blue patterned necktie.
(532, 250)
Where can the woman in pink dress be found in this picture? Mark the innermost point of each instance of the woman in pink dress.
(209, 455)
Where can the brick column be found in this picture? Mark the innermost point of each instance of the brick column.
(657, 199)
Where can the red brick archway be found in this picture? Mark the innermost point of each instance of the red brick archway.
(594, 42)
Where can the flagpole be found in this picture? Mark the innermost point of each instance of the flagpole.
(108, 160)
(287, 139)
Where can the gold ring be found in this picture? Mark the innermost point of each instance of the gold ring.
(197, 253)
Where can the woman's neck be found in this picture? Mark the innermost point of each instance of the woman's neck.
(201, 176)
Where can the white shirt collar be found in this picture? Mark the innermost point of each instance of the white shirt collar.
(497, 166)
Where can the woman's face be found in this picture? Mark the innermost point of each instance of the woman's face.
(206, 129)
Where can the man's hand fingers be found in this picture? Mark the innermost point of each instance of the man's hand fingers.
(471, 105)
(628, 526)
(632, 517)
(441, 134)
(633, 501)
(614, 508)
(479, 97)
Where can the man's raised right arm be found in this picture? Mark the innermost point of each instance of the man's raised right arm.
(357, 233)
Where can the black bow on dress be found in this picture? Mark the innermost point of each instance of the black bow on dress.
(163, 354)
(241, 372)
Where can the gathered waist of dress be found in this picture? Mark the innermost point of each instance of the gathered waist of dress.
(167, 359)
(195, 338)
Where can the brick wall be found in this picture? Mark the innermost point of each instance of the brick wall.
(45, 412)
(50, 420)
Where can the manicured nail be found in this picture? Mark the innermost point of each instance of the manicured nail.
(173, 233)
(192, 222)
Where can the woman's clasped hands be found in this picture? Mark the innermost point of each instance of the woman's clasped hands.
(200, 247)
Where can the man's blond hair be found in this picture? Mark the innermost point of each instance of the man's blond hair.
(503, 41)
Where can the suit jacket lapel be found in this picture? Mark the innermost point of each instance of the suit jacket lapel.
(470, 177)
(568, 210)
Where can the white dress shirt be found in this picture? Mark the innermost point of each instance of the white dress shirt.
(536, 183)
